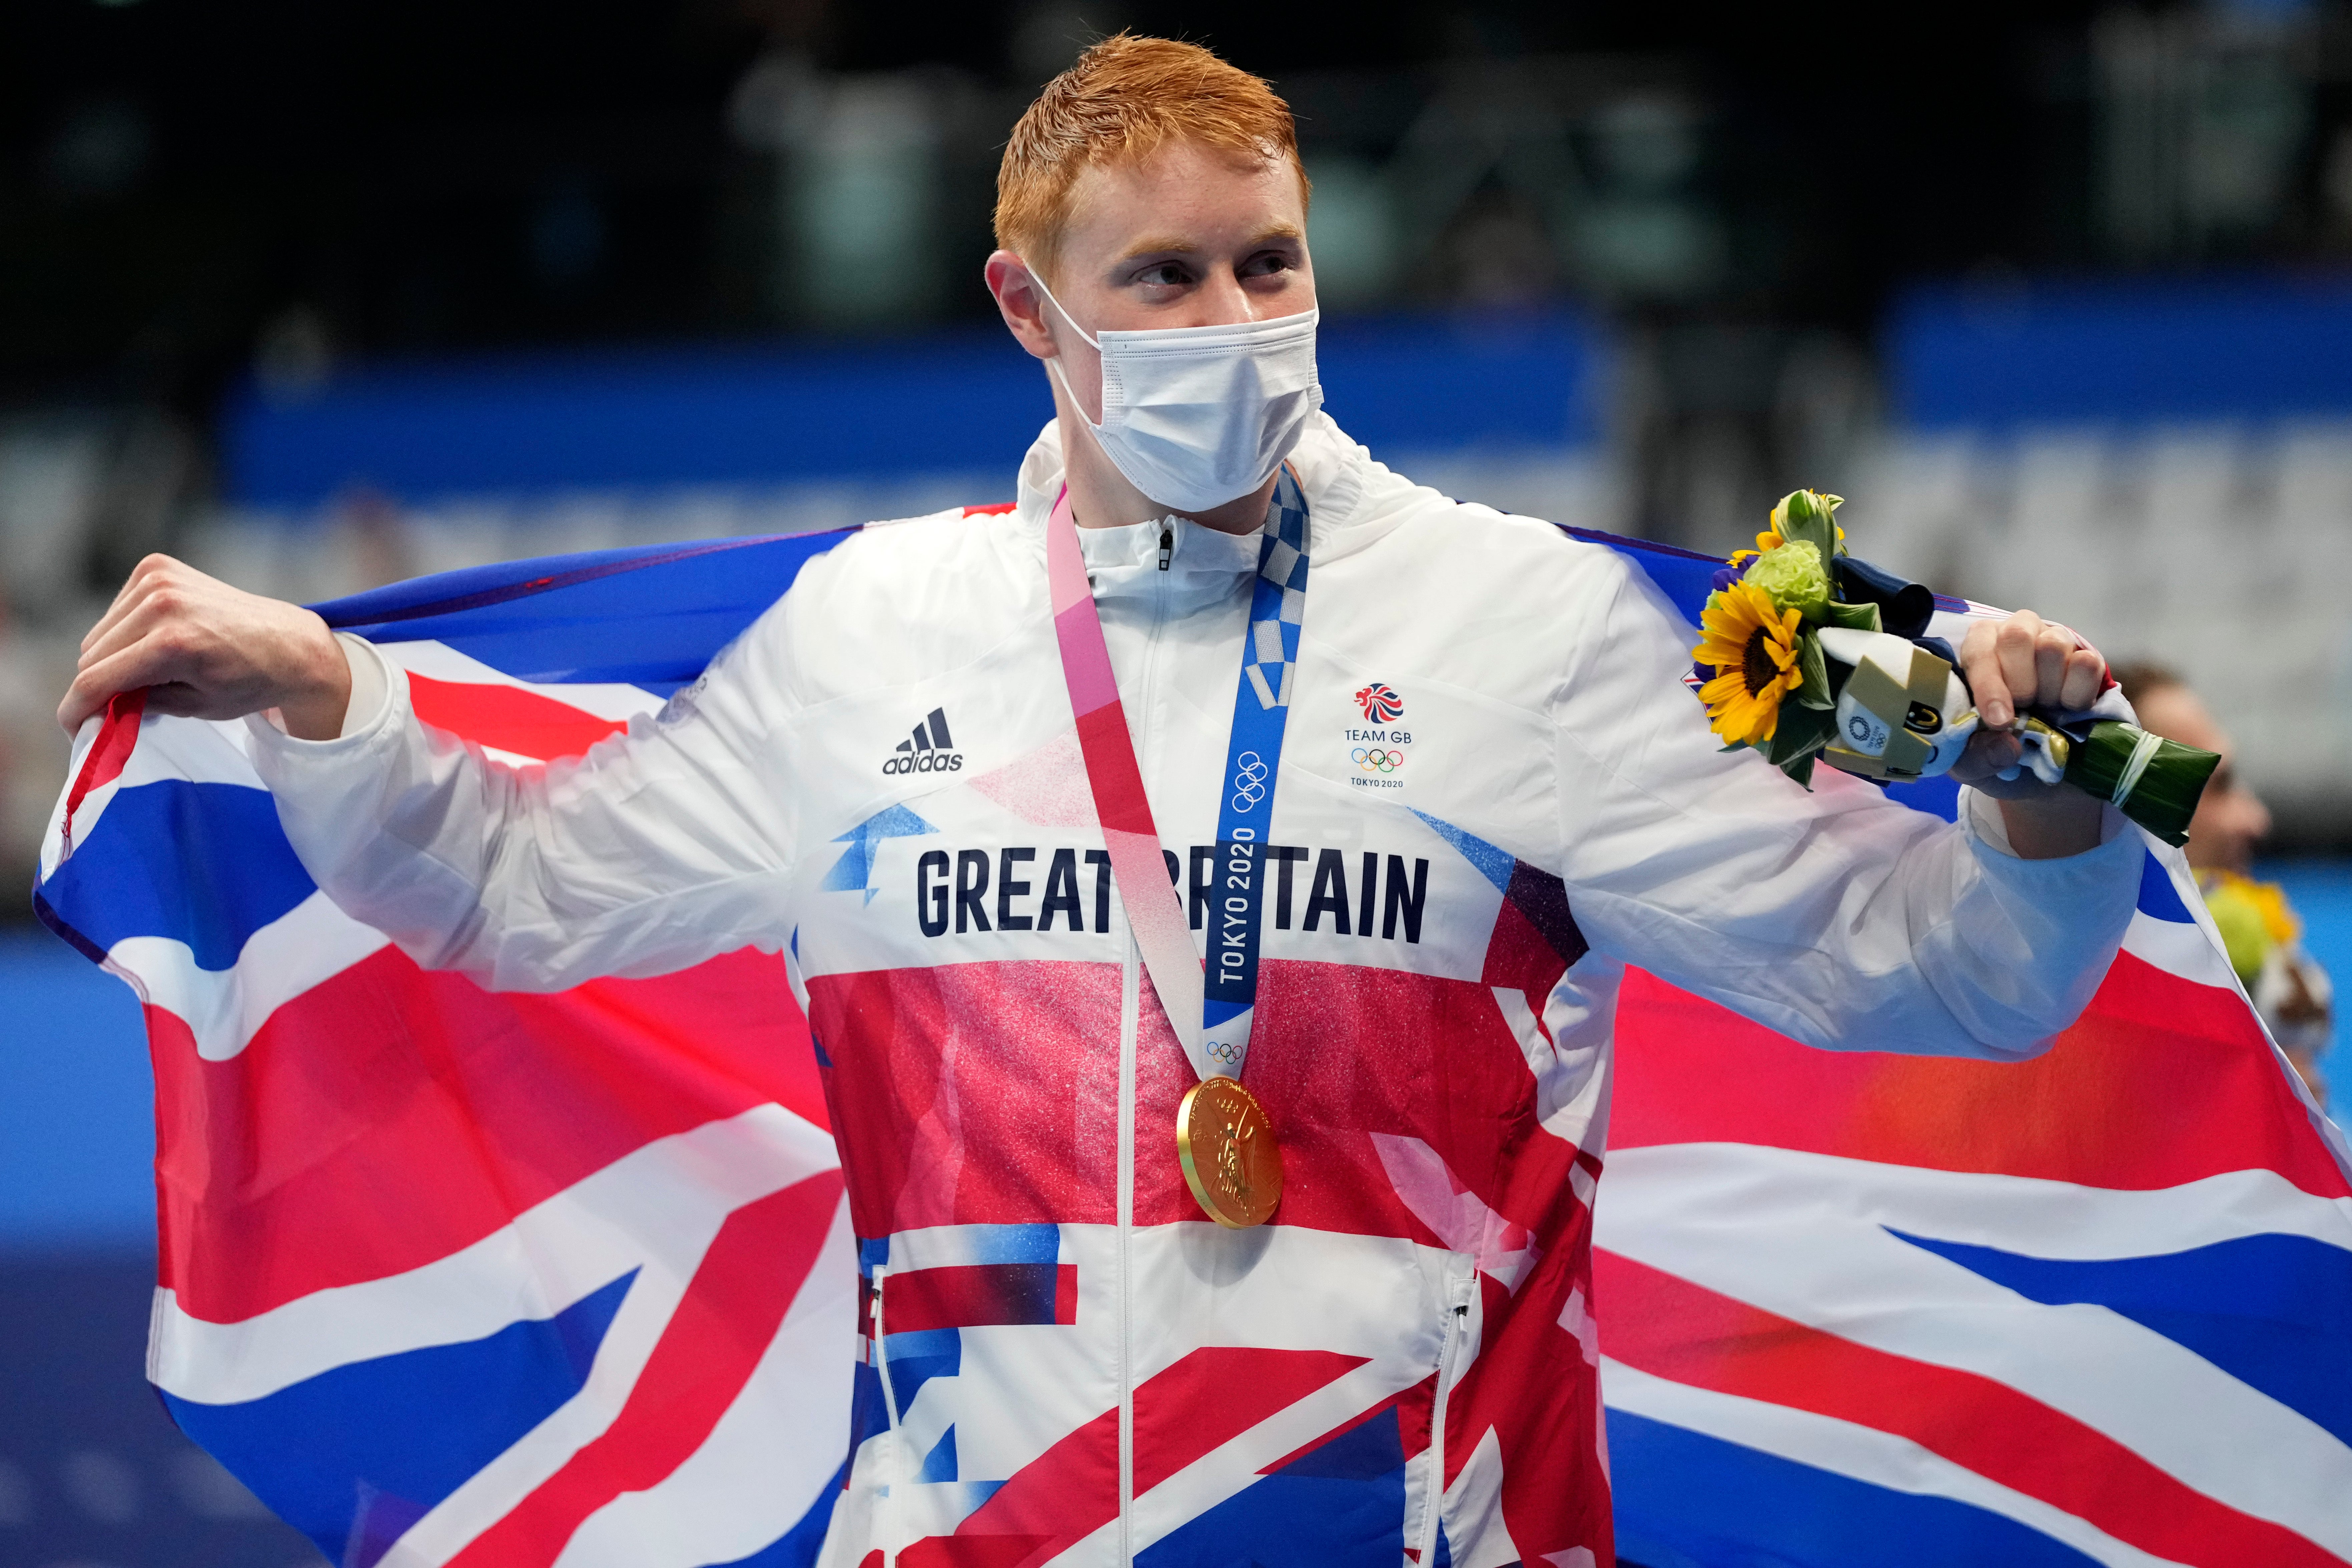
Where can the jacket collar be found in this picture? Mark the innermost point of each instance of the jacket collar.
(1123, 561)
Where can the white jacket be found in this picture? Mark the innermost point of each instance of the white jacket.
(1441, 964)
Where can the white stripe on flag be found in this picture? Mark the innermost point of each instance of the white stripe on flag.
(769, 1456)
(310, 942)
(770, 1148)
(439, 661)
(1807, 1236)
(197, 750)
(1860, 1453)
(655, 1209)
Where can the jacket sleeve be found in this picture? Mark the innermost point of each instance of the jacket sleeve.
(1837, 917)
(654, 850)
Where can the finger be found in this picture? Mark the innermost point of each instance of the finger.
(2013, 646)
(180, 700)
(135, 588)
(2050, 652)
(2086, 672)
(140, 619)
(151, 661)
(1988, 752)
(1980, 662)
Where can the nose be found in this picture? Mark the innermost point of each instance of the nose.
(1222, 301)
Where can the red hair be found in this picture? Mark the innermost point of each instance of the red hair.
(1123, 99)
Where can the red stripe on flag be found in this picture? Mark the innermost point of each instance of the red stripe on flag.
(1673, 1329)
(1203, 1401)
(118, 736)
(994, 509)
(2162, 1080)
(508, 718)
(388, 1116)
(706, 1352)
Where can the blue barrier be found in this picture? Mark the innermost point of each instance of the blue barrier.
(2121, 352)
(958, 401)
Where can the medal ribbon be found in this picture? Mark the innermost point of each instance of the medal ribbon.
(1225, 998)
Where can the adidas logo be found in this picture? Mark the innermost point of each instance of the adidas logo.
(926, 750)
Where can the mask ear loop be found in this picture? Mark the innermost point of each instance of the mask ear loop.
(1053, 365)
(1038, 279)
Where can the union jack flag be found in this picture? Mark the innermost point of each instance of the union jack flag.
(451, 1277)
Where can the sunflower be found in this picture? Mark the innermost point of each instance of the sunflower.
(1752, 647)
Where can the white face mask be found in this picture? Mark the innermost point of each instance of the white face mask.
(1197, 416)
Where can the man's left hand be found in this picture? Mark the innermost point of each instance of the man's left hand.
(2011, 666)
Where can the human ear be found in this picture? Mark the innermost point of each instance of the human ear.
(1021, 302)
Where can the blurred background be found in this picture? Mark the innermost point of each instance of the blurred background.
(2059, 295)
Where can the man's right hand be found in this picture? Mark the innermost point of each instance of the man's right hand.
(205, 650)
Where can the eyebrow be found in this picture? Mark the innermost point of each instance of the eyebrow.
(1160, 245)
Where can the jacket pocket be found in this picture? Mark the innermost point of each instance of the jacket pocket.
(1460, 1282)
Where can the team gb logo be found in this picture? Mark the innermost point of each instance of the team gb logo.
(1381, 704)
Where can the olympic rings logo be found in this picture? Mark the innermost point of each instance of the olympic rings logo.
(1223, 1054)
(1372, 759)
(1249, 781)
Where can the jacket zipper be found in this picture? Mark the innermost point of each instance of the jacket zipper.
(1457, 1318)
(1167, 544)
(896, 1464)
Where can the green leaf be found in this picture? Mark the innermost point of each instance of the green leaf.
(1810, 523)
(1801, 769)
(1800, 732)
(1815, 690)
(1854, 617)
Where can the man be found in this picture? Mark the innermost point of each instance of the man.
(1432, 764)
(2288, 987)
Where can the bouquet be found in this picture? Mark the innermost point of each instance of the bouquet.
(1810, 655)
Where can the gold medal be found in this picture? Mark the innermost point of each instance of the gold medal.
(1231, 1160)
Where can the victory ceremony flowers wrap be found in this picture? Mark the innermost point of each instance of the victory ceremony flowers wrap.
(1807, 654)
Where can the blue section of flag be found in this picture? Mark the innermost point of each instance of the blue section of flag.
(1341, 1504)
(2159, 898)
(1685, 1500)
(233, 871)
(410, 1427)
(2273, 1311)
(1938, 797)
(552, 619)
